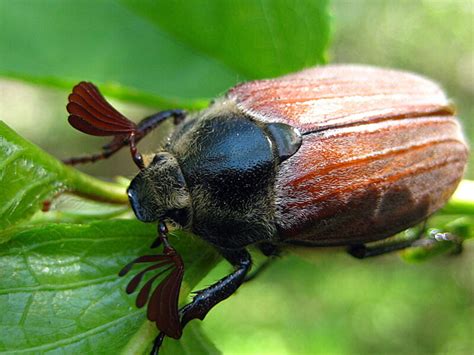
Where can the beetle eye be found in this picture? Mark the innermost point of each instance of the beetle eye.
(158, 158)
(180, 216)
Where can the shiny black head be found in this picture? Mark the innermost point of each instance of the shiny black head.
(159, 192)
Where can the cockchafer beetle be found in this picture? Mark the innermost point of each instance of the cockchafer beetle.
(340, 155)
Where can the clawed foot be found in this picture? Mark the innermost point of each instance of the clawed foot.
(436, 238)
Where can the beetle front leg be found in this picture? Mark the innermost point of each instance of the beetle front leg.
(107, 151)
(207, 298)
(219, 291)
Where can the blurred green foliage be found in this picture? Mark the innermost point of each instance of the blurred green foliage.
(161, 53)
(431, 37)
(194, 50)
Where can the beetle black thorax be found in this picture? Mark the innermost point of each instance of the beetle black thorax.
(229, 163)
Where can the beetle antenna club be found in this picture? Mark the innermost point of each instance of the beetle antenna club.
(90, 113)
(163, 301)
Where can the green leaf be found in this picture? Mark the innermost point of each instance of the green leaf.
(59, 289)
(165, 53)
(256, 39)
(29, 176)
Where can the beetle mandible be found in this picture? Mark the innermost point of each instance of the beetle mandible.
(340, 155)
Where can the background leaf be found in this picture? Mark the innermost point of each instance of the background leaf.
(163, 61)
(59, 287)
(257, 39)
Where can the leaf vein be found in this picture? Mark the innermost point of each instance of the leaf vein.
(67, 240)
(50, 287)
(17, 154)
(76, 338)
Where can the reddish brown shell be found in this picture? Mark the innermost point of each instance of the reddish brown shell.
(381, 151)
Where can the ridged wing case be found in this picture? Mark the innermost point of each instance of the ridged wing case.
(382, 150)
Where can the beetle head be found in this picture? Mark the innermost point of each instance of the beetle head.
(159, 192)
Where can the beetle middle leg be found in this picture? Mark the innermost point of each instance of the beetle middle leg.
(207, 298)
(362, 251)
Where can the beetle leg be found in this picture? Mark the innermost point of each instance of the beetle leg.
(144, 127)
(267, 249)
(362, 251)
(107, 151)
(157, 343)
(151, 122)
(207, 298)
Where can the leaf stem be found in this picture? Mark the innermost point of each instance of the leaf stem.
(95, 189)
